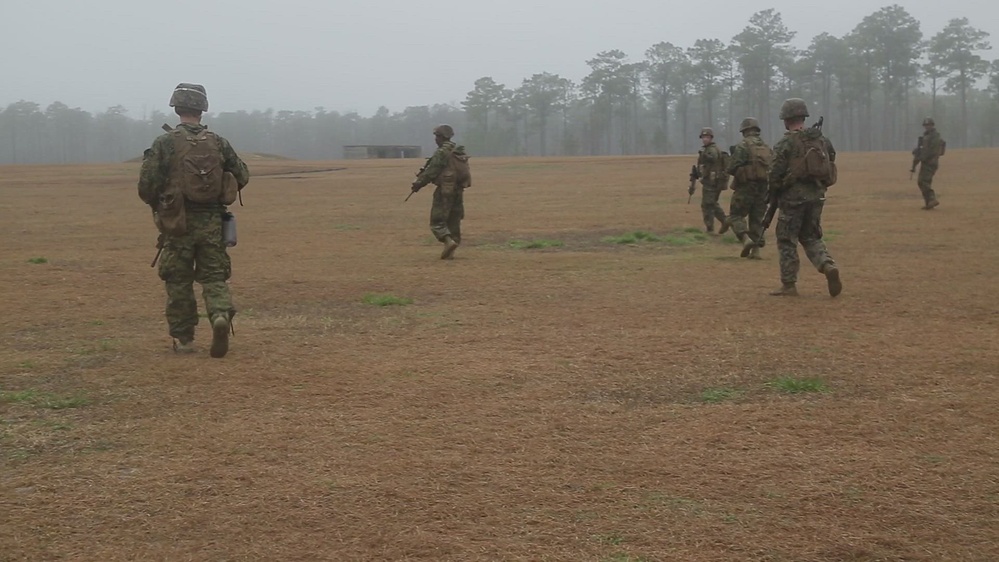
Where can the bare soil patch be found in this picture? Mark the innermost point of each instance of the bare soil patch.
(587, 400)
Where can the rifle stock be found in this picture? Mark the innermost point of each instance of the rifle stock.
(915, 156)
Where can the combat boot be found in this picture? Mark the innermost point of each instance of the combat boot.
(931, 204)
(449, 247)
(184, 345)
(747, 247)
(220, 336)
(832, 279)
(755, 254)
(724, 226)
(786, 290)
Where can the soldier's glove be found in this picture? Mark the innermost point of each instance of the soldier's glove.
(691, 191)
(416, 186)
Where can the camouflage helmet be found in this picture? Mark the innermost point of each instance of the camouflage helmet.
(707, 132)
(445, 131)
(749, 123)
(929, 121)
(794, 107)
(191, 96)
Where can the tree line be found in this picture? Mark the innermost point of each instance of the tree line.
(873, 85)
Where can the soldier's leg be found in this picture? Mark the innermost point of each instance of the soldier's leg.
(757, 209)
(739, 209)
(709, 203)
(810, 237)
(212, 269)
(176, 269)
(788, 228)
(456, 215)
(440, 212)
(925, 183)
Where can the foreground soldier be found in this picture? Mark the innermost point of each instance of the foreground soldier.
(447, 169)
(714, 180)
(803, 167)
(750, 167)
(930, 148)
(187, 177)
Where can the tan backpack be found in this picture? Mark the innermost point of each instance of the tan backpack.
(196, 168)
(462, 172)
(811, 161)
(758, 168)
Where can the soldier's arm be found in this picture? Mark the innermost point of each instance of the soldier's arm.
(740, 157)
(831, 150)
(232, 163)
(778, 169)
(153, 174)
(435, 165)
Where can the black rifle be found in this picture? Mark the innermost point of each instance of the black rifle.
(695, 175)
(773, 194)
(915, 156)
(418, 172)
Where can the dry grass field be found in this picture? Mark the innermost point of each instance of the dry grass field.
(581, 400)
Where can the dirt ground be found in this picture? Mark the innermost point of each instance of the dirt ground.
(584, 401)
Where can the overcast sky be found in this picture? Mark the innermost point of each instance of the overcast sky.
(356, 56)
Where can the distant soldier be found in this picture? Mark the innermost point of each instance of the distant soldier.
(804, 166)
(188, 177)
(931, 148)
(447, 169)
(714, 180)
(750, 167)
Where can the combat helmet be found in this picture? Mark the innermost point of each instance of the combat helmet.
(191, 96)
(929, 121)
(445, 131)
(706, 132)
(794, 107)
(749, 123)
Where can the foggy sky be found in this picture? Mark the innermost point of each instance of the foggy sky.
(357, 56)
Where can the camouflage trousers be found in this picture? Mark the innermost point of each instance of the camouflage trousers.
(748, 202)
(199, 255)
(446, 213)
(800, 222)
(925, 182)
(710, 209)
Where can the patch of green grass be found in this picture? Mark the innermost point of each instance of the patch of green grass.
(44, 399)
(632, 238)
(614, 539)
(535, 244)
(29, 364)
(730, 239)
(622, 557)
(685, 237)
(38, 260)
(97, 323)
(385, 300)
(716, 395)
(830, 235)
(346, 227)
(692, 230)
(793, 385)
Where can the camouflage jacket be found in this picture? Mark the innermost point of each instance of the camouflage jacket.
(741, 155)
(794, 191)
(437, 163)
(929, 154)
(710, 164)
(156, 165)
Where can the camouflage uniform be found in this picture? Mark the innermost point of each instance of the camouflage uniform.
(749, 198)
(448, 205)
(199, 254)
(929, 161)
(800, 204)
(713, 181)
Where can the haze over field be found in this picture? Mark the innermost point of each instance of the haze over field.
(357, 56)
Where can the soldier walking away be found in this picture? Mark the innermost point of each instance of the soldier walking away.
(714, 180)
(931, 148)
(749, 166)
(804, 166)
(447, 169)
(188, 177)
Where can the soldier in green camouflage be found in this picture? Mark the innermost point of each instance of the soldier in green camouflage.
(749, 166)
(801, 199)
(714, 180)
(199, 253)
(929, 152)
(448, 170)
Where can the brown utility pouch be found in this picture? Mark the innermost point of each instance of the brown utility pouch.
(230, 189)
(170, 217)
